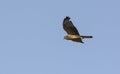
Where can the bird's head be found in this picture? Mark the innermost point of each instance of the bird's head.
(66, 37)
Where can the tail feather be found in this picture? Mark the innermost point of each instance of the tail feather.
(87, 36)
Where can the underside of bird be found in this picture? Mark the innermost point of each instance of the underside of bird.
(76, 38)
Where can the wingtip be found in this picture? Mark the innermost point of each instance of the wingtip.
(67, 17)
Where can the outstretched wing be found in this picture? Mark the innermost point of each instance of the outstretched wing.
(69, 27)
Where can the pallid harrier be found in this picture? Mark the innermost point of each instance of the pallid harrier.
(72, 31)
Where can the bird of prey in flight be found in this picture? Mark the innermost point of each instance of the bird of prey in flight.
(72, 31)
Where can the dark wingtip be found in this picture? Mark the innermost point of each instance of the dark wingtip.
(67, 17)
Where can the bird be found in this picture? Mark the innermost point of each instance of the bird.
(72, 32)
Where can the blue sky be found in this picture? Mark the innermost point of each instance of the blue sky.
(31, 37)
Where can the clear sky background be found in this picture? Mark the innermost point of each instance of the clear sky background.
(31, 37)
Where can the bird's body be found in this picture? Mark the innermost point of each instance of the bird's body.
(72, 31)
(75, 38)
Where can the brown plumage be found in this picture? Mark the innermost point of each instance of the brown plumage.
(72, 31)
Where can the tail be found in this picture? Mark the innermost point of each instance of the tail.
(87, 36)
